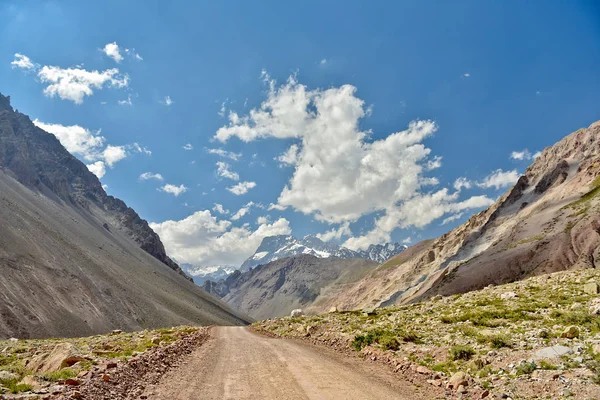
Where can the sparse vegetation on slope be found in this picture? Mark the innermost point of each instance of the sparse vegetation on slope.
(54, 365)
(538, 337)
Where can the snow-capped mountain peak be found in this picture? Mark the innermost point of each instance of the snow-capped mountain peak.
(276, 247)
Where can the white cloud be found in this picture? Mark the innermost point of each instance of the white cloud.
(168, 101)
(76, 139)
(125, 102)
(89, 145)
(225, 154)
(173, 189)
(72, 83)
(521, 155)
(241, 188)
(499, 179)
(342, 230)
(219, 208)
(23, 62)
(223, 109)
(452, 218)
(76, 83)
(98, 168)
(462, 182)
(290, 157)
(149, 175)
(139, 149)
(242, 211)
(224, 171)
(201, 239)
(112, 50)
(188, 146)
(340, 174)
(263, 220)
(408, 240)
(113, 154)
(466, 75)
(323, 61)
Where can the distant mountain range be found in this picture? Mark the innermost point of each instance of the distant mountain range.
(203, 274)
(277, 247)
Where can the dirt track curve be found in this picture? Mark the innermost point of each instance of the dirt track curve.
(239, 364)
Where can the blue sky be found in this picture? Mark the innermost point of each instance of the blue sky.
(485, 79)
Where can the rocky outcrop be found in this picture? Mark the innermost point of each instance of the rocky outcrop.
(38, 160)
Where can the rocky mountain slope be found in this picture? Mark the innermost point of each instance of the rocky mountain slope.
(277, 247)
(75, 261)
(276, 288)
(549, 221)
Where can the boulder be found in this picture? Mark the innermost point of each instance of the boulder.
(63, 355)
(458, 379)
(591, 288)
(333, 309)
(508, 295)
(571, 332)
(369, 311)
(296, 313)
(30, 380)
(552, 352)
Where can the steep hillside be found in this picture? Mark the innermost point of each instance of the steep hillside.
(277, 247)
(75, 261)
(276, 288)
(549, 221)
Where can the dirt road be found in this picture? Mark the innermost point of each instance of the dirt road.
(239, 364)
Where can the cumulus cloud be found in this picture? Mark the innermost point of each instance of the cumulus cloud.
(290, 157)
(340, 174)
(225, 154)
(112, 50)
(452, 218)
(408, 240)
(149, 175)
(98, 168)
(125, 102)
(76, 139)
(220, 209)
(461, 183)
(342, 230)
(263, 220)
(188, 146)
(113, 154)
(224, 171)
(242, 211)
(23, 62)
(168, 101)
(90, 146)
(203, 240)
(241, 188)
(173, 189)
(499, 179)
(521, 155)
(71, 83)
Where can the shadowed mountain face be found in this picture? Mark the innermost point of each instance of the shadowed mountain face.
(549, 221)
(75, 261)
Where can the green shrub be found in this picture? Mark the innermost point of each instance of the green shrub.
(387, 339)
(547, 366)
(525, 368)
(461, 353)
